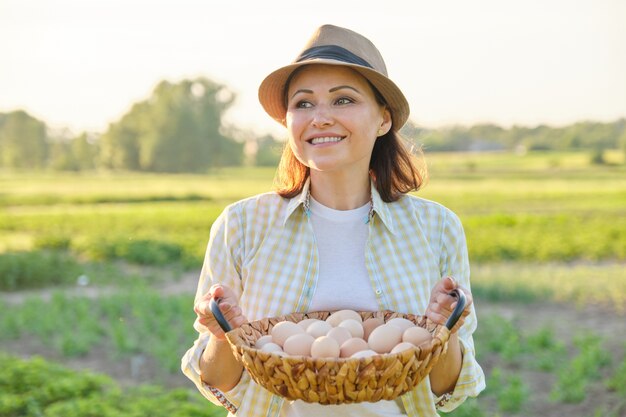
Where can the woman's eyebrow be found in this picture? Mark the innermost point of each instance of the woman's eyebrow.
(301, 91)
(332, 90)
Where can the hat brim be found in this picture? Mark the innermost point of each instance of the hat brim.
(271, 90)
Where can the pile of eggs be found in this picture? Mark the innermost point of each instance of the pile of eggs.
(343, 334)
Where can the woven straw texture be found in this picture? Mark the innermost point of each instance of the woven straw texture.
(337, 381)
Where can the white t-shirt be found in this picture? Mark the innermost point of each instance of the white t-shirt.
(341, 236)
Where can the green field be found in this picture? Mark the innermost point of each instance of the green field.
(543, 229)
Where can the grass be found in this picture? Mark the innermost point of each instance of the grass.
(577, 284)
(547, 227)
(35, 387)
(135, 321)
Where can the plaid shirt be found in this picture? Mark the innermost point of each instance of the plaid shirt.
(263, 247)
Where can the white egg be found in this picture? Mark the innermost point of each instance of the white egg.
(318, 328)
(263, 340)
(325, 347)
(354, 327)
(402, 346)
(298, 344)
(402, 323)
(341, 315)
(282, 330)
(384, 338)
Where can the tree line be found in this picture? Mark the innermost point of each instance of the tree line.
(180, 128)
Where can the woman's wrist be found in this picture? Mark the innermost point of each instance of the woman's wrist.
(445, 373)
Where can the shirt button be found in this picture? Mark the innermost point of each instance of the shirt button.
(378, 291)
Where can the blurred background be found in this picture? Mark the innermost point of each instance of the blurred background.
(127, 126)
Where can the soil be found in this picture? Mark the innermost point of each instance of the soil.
(566, 321)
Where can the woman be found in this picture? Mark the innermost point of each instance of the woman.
(341, 232)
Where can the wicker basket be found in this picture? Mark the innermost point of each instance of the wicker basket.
(342, 380)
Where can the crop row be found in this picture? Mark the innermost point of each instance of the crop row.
(139, 322)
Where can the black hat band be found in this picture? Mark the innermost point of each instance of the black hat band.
(334, 52)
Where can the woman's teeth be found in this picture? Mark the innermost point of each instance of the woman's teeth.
(316, 141)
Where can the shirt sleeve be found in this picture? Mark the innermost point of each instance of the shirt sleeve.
(221, 265)
(454, 262)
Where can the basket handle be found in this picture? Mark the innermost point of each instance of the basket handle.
(458, 310)
(454, 317)
(219, 317)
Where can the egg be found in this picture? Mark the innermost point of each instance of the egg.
(351, 346)
(282, 330)
(298, 344)
(416, 335)
(354, 327)
(341, 315)
(402, 346)
(261, 341)
(370, 324)
(402, 323)
(325, 347)
(364, 354)
(271, 348)
(318, 328)
(306, 323)
(384, 338)
(340, 334)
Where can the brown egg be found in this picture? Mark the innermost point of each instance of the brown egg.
(298, 344)
(402, 323)
(341, 315)
(325, 347)
(384, 338)
(353, 345)
(370, 324)
(416, 335)
(340, 334)
(318, 328)
(282, 330)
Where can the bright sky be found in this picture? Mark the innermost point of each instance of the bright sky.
(82, 63)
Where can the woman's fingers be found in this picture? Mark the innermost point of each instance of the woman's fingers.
(442, 303)
(228, 307)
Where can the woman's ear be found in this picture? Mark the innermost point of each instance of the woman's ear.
(385, 126)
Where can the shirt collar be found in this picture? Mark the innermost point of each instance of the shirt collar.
(297, 201)
(380, 208)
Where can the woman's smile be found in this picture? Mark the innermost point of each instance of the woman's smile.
(333, 119)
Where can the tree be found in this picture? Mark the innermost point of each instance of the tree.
(75, 154)
(23, 141)
(268, 151)
(178, 129)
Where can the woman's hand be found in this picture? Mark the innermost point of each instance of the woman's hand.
(442, 304)
(228, 306)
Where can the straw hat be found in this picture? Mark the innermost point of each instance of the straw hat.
(333, 45)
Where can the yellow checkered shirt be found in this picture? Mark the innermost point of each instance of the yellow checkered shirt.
(263, 247)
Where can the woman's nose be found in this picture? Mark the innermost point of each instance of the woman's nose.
(322, 117)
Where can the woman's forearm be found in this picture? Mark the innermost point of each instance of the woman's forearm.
(218, 366)
(446, 372)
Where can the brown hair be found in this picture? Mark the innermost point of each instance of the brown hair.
(395, 168)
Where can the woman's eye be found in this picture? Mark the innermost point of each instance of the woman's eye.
(344, 100)
(303, 105)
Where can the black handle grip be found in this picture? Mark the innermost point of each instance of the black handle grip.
(219, 317)
(458, 310)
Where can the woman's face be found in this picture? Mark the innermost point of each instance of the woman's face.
(333, 119)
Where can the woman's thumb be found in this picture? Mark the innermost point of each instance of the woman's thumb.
(449, 283)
